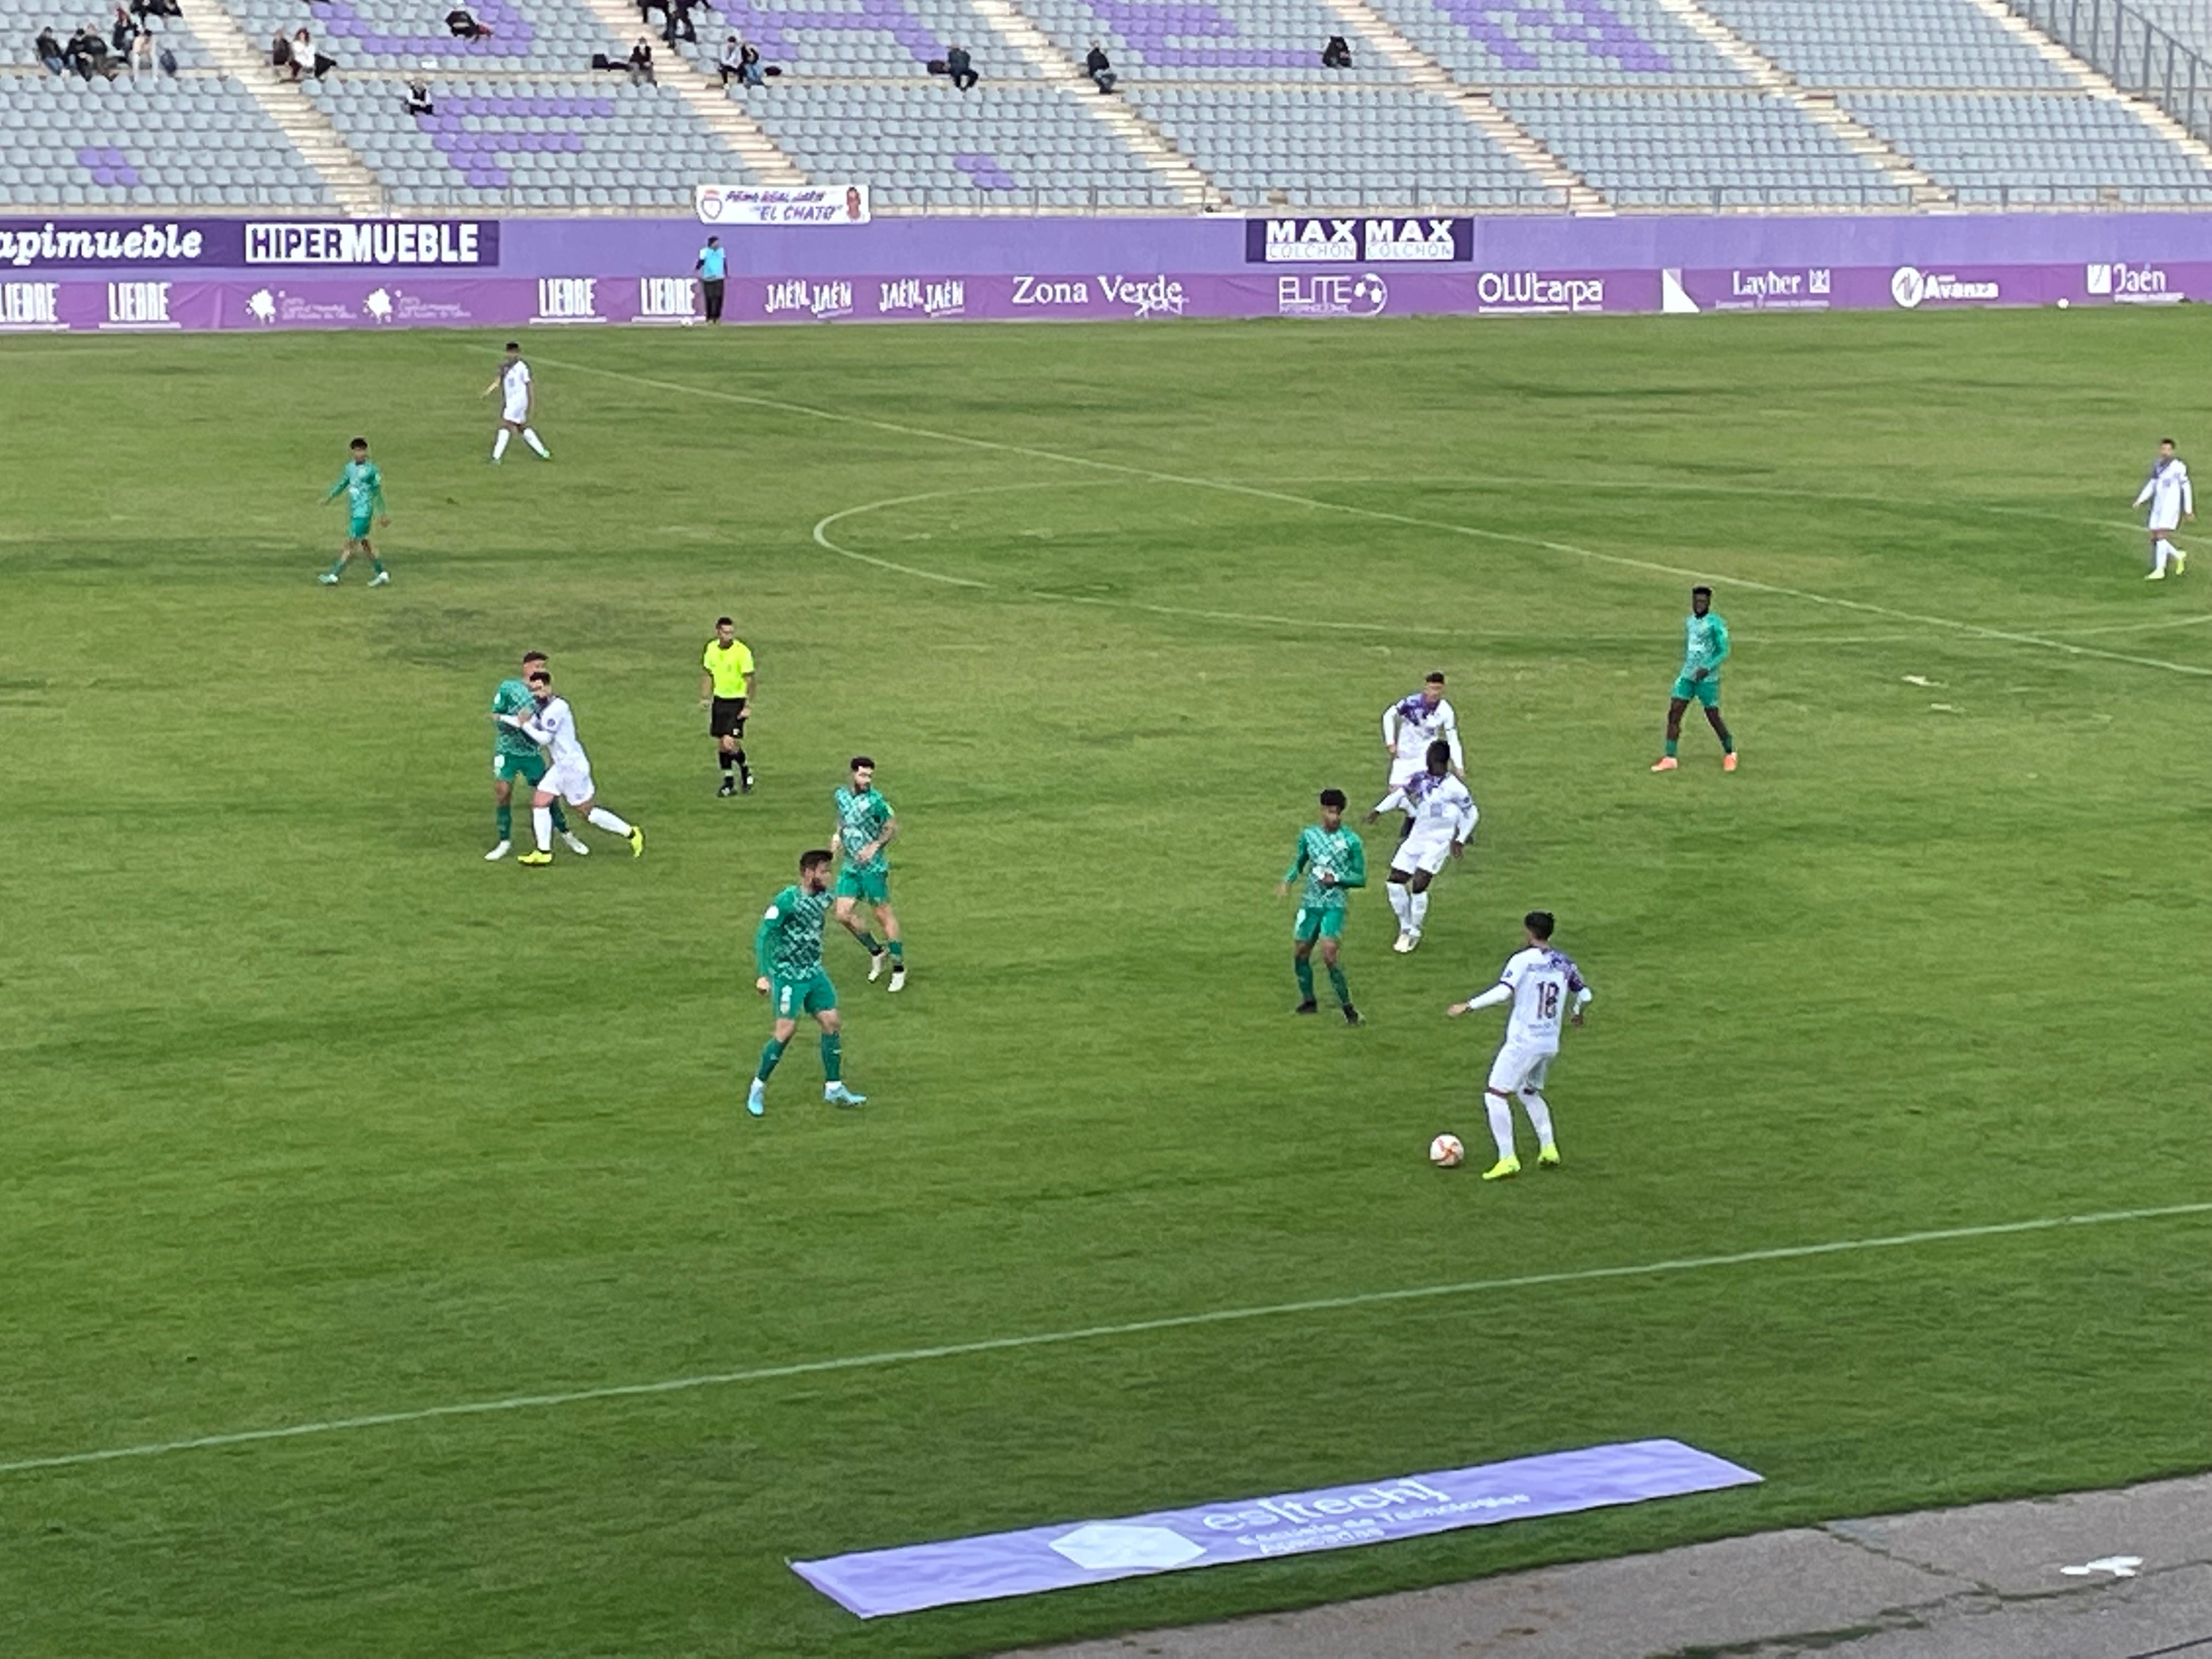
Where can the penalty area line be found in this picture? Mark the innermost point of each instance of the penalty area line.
(1095, 1333)
(1382, 515)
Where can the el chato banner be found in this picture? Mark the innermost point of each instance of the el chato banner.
(878, 1582)
(781, 204)
(191, 273)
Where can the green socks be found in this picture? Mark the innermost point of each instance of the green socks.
(1303, 967)
(560, 819)
(897, 950)
(1727, 741)
(833, 1057)
(378, 562)
(505, 813)
(1673, 743)
(868, 940)
(769, 1055)
(1336, 984)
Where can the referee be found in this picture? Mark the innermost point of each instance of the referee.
(724, 690)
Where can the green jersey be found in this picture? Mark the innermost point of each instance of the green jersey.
(512, 697)
(363, 487)
(1337, 852)
(862, 817)
(1704, 644)
(788, 944)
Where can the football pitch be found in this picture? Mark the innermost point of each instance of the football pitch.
(312, 1120)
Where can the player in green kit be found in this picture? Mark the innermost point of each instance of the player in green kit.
(788, 946)
(514, 755)
(1333, 861)
(866, 826)
(363, 486)
(1704, 648)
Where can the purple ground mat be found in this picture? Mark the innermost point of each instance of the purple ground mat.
(875, 1583)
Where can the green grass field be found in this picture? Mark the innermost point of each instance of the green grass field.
(308, 1113)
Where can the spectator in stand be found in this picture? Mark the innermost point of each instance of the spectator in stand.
(714, 262)
(749, 64)
(731, 61)
(121, 34)
(50, 51)
(305, 54)
(1099, 68)
(679, 23)
(418, 101)
(462, 25)
(640, 64)
(86, 53)
(279, 55)
(141, 57)
(960, 67)
(1335, 54)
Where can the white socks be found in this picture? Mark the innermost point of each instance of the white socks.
(1501, 1125)
(1540, 1115)
(1417, 910)
(1402, 903)
(606, 821)
(499, 444)
(541, 826)
(530, 437)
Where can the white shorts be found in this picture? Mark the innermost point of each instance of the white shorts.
(518, 413)
(1405, 768)
(572, 784)
(1421, 853)
(1519, 1065)
(2171, 520)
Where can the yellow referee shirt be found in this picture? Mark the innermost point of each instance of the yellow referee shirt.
(728, 666)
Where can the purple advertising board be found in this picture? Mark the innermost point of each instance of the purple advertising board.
(200, 274)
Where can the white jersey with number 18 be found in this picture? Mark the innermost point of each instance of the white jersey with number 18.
(1543, 981)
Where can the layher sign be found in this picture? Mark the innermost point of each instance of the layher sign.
(815, 255)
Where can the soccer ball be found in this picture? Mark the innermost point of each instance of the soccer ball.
(1445, 1152)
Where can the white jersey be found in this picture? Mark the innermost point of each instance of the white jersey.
(1441, 807)
(1410, 726)
(1542, 981)
(554, 725)
(514, 387)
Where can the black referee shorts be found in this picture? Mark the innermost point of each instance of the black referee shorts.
(726, 718)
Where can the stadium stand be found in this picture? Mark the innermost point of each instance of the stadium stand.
(532, 141)
(1493, 105)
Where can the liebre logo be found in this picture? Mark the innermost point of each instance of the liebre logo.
(568, 300)
(139, 305)
(30, 306)
(798, 295)
(1332, 296)
(666, 299)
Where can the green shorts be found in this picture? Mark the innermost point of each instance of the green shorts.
(1314, 921)
(811, 993)
(1706, 690)
(873, 885)
(359, 532)
(507, 768)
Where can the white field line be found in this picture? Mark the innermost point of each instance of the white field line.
(1382, 515)
(1096, 1333)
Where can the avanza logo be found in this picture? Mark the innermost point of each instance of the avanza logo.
(1912, 287)
(1532, 290)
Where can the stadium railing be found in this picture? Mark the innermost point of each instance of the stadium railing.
(2131, 52)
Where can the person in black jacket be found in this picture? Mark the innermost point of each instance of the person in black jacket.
(1099, 68)
(960, 67)
(1335, 54)
(50, 51)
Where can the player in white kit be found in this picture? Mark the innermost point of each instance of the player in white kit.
(1539, 982)
(1412, 724)
(1442, 815)
(569, 777)
(2170, 501)
(517, 397)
